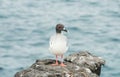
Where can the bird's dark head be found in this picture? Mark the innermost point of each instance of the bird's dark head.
(59, 28)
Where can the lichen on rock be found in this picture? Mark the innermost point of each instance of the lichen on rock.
(81, 64)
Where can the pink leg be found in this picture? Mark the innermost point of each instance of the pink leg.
(62, 64)
(56, 63)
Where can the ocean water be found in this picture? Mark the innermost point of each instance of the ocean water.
(26, 26)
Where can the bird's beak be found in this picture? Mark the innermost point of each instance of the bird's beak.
(64, 30)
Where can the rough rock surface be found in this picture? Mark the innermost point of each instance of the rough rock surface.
(81, 64)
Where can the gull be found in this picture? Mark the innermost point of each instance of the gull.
(58, 43)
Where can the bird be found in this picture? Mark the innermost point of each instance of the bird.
(58, 44)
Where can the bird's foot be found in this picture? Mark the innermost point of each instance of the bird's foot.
(62, 64)
(55, 64)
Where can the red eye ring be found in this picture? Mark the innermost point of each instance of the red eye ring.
(59, 27)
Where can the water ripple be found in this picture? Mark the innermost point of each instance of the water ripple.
(26, 25)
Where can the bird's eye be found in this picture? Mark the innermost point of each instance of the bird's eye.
(59, 27)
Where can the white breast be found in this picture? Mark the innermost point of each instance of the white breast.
(58, 44)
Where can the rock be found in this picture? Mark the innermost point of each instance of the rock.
(81, 64)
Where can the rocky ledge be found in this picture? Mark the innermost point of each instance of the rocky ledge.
(81, 64)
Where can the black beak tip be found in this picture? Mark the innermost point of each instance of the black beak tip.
(65, 30)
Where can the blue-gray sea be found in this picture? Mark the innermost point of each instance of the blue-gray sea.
(26, 26)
